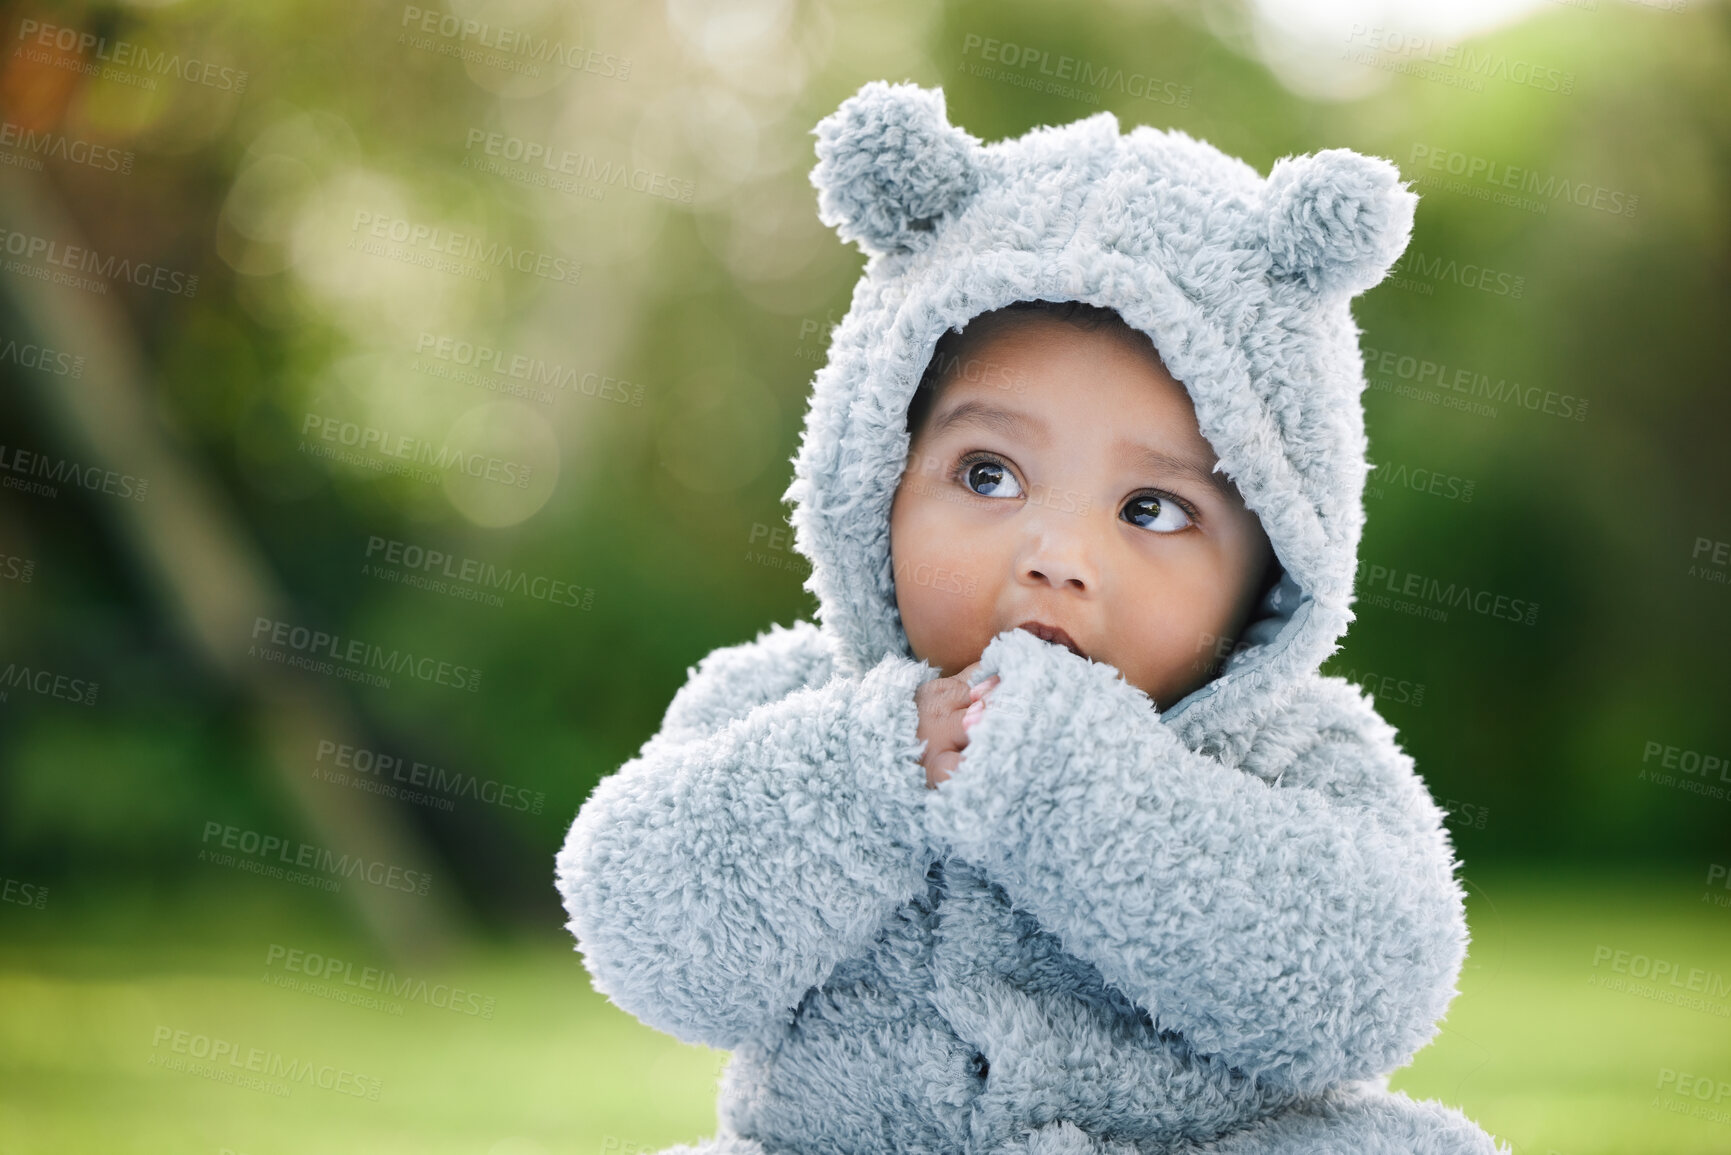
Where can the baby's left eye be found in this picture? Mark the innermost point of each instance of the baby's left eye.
(1162, 513)
(989, 478)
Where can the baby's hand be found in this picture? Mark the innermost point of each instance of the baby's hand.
(948, 706)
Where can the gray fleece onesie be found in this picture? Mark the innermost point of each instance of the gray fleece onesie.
(1116, 928)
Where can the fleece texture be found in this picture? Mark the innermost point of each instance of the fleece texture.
(1121, 926)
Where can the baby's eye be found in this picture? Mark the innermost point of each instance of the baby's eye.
(989, 478)
(1163, 514)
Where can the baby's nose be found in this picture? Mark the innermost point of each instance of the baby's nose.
(1061, 560)
(1059, 577)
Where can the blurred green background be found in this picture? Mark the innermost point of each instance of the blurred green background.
(600, 269)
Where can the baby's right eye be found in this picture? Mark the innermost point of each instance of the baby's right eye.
(988, 477)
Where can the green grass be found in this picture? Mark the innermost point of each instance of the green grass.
(1531, 1048)
(1541, 1056)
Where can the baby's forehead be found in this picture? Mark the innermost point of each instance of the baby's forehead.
(1039, 354)
(1001, 347)
(1110, 392)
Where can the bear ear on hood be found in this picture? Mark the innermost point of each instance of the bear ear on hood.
(1336, 220)
(890, 165)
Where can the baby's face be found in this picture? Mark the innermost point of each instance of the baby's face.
(1066, 483)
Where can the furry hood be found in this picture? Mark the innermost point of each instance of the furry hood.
(1242, 282)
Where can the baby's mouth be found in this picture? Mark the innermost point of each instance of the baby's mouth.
(1052, 634)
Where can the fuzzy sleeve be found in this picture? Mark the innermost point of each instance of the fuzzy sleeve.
(762, 837)
(1307, 931)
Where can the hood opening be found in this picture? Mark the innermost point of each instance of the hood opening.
(1283, 607)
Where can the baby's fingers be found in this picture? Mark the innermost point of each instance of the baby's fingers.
(982, 688)
(941, 767)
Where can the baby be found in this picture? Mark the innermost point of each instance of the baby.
(1051, 838)
(1130, 549)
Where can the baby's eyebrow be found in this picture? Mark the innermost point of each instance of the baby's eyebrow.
(1010, 421)
(1157, 461)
